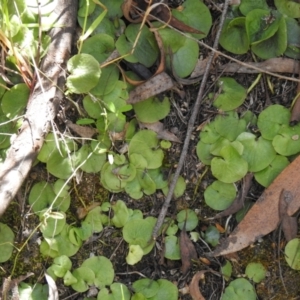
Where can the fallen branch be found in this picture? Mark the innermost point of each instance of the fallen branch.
(42, 105)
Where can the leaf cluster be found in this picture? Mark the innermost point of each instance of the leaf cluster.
(267, 32)
(234, 145)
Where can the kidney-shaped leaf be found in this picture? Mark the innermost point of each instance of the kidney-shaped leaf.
(6, 242)
(219, 195)
(288, 8)
(102, 268)
(266, 176)
(232, 94)
(145, 143)
(292, 253)
(234, 37)
(271, 119)
(152, 109)
(257, 152)
(137, 232)
(239, 289)
(287, 141)
(231, 167)
(84, 73)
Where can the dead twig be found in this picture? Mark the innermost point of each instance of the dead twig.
(190, 128)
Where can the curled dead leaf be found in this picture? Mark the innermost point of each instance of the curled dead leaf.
(83, 131)
(162, 133)
(187, 251)
(194, 285)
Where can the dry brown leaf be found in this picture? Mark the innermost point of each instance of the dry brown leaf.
(275, 65)
(83, 131)
(155, 85)
(162, 133)
(187, 251)
(12, 284)
(83, 211)
(295, 116)
(289, 225)
(264, 217)
(194, 286)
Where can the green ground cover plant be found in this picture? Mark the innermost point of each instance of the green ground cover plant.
(228, 144)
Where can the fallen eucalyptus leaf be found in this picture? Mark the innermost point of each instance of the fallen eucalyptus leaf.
(155, 85)
(264, 217)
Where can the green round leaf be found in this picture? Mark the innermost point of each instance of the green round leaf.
(99, 46)
(146, 50)
(85, 277)
(209, 134)
(167, 290)
(239, 289)
(93, 219)
(102, 268)
(203, 152)
(247, 6)
(293, 38)
(52, 223)
(64, 263)
(69, 279)
(107, 82)
(134, 255)
(145, 143)
(120, 291)
(287, 140)
(41, 196)
(189, 217)
(231, 167)
(14, 101)
(137, 232)
(60, 244)
(121, 214)
(179, 188)
(232, 94)
(92, 106)
(271, 119)
(84, 73)
(5, 130)
(152, 109)
(292, 253)
(261, 24)
(212, 235)
(172, 250)
(185, 59)
(146, 286)
(288, 7)
(226, 270)
(266, 176)
(229, 126)
(93, 162)
(258, 152)
(234, 37)
(256, 272)
(6, 242)
(109, 180)
(273, 46)
(219, 195)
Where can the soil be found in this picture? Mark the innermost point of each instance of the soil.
(281, 282)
